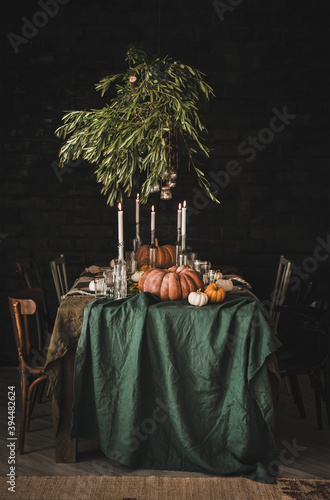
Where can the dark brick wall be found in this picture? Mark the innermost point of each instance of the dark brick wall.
(260, 56)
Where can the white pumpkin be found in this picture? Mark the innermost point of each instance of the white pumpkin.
(136, 276)
(218, 275)
(198, 298)
(225, 284)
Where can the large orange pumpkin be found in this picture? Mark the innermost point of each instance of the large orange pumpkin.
(215, 293)
(175, 283)
(165, 256)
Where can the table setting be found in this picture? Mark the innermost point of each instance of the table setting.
(169, 333)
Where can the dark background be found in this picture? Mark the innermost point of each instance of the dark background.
(263, 54)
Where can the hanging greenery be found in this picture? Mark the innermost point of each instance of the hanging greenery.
(129, 139)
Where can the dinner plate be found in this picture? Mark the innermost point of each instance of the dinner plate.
(240, 282)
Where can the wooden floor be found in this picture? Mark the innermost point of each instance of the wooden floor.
(304, 451)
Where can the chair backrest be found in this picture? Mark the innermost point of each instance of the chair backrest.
(22, 305)
(28, 268)
(281, 286)
(58, 269)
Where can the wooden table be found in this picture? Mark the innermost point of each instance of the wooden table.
(60, 369)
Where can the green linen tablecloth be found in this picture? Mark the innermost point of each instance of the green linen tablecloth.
(165, 385)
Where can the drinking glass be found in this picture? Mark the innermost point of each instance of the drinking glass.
(192, 256)
(197, 265)
(131, 263)
(211, 276)
(109, 276)
(100, 287)
(205, 266)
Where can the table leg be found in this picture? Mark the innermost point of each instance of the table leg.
(66, 448)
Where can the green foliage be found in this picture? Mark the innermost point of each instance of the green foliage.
(127, 138)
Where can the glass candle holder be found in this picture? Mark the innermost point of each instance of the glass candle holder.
(183, 258)
(152, 251)
(120, 279)
(121, 251)
(183, 254)
(178, 247)
(165, 193)
(137, 240)
(155, 188)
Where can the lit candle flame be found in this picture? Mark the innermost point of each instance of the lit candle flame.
(137, 197)
(184, 204)
(179, 206)
(153, 208)
(119, 207)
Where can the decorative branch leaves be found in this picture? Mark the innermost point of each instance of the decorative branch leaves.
(128, 135)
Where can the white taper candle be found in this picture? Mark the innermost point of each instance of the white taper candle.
(120, 224)
(179, 217)
(184, 218)
(153, 218)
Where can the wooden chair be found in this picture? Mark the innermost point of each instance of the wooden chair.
(23, 307)
(280, 290)
(301, 330)
(27, 268)
(305, 351)
(58, 269)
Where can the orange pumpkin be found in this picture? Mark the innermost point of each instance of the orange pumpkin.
(165, 256)
(215, 293)
(175, 283)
